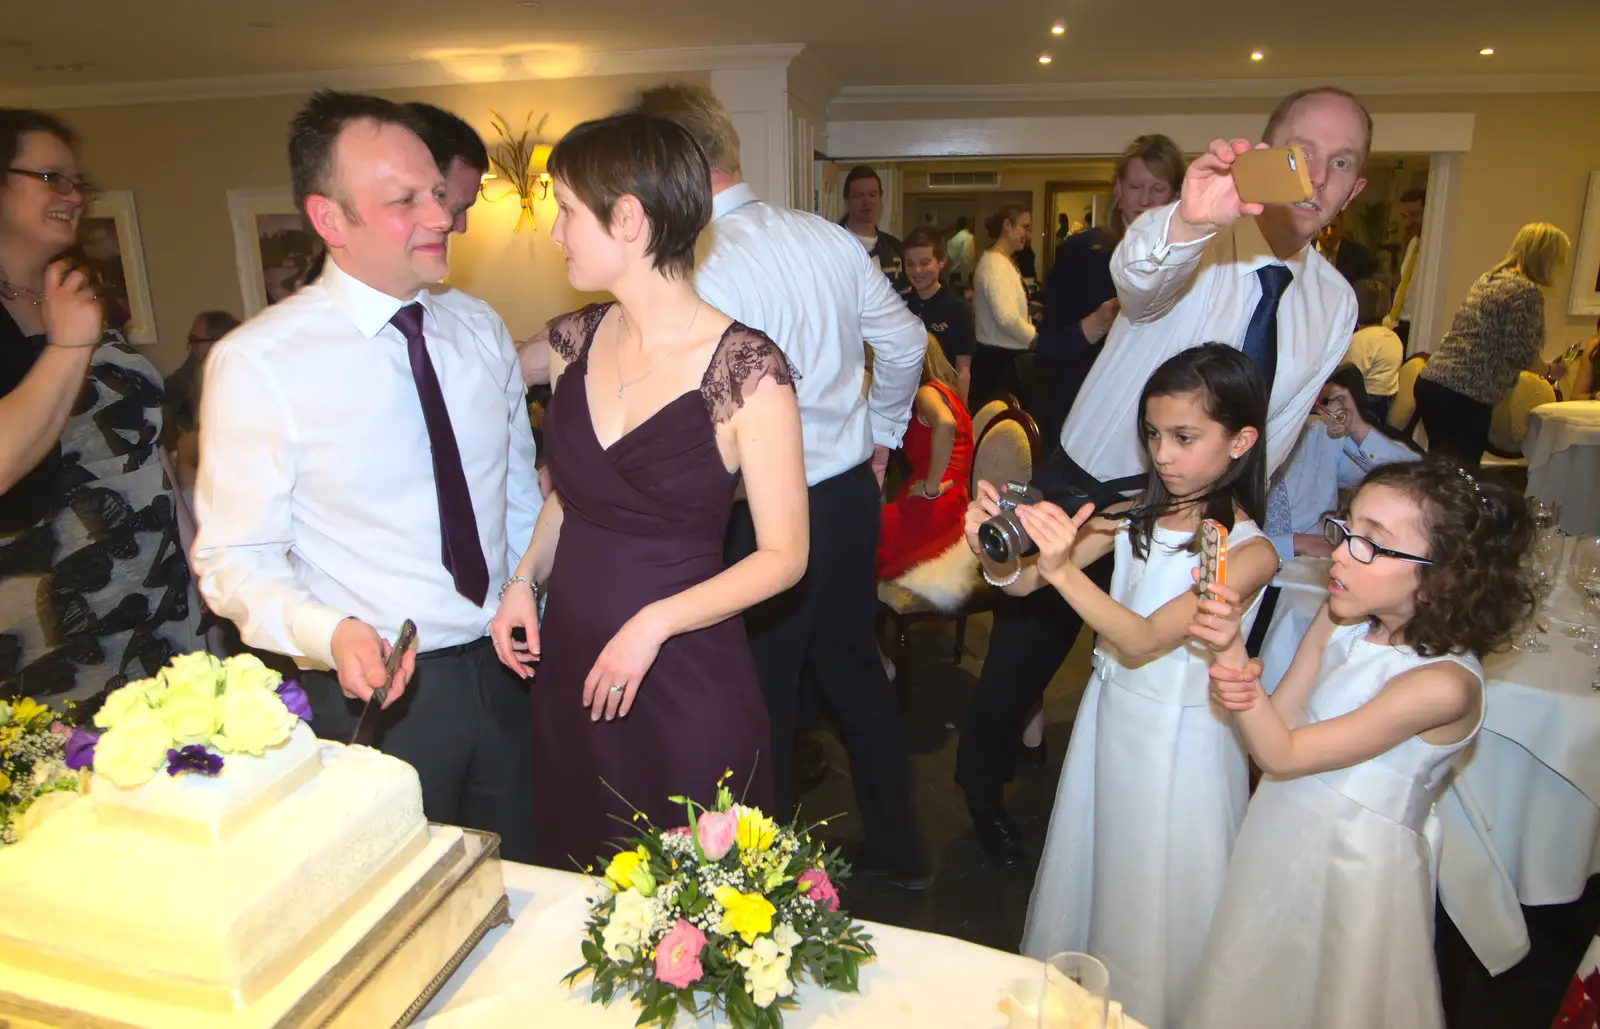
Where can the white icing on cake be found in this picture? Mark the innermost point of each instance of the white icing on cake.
(87, 898)
(212, 807)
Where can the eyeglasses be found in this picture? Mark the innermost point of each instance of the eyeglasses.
(1362, 549)
(59, 182)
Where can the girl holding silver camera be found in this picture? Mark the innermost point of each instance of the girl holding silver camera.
(1155, 783)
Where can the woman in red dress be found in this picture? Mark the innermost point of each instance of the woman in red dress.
(925, 519)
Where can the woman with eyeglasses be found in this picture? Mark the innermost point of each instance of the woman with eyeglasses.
(94, 586)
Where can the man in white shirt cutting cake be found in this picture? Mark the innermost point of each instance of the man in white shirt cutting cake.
(1207, 268)
(365, 454)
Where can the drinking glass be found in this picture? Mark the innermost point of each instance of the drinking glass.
(1546, 515)
(1584, 552)
(1074, 995)
(1586, 576)
(1541, 576)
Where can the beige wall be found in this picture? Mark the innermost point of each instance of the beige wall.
(180, 159)
(1530, 161)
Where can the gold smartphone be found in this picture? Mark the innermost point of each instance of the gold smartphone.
(1276, 176)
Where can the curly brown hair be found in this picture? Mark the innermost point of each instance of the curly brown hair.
(1476, 592)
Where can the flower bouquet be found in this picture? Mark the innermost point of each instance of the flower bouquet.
(35, 779)
(725, 916)
(192, 714)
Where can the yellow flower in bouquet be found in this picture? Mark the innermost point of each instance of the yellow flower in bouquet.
(756, 831)
(630, 870)
(121, 702)
(246, 672)
(130, 754)
(748, 914)
(252, 721)
(30, 714)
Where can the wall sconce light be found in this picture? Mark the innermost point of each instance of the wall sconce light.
(519, 163)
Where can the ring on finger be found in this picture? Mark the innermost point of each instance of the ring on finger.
(618, 688)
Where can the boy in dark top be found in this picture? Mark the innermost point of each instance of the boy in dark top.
(944, 313)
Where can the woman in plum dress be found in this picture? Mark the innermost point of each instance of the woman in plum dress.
(645, 687)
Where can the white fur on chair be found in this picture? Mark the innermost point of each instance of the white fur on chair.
(947, 581)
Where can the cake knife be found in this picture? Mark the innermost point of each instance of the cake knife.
(367, 726)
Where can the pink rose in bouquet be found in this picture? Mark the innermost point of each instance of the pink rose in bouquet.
(717, 830)
(678, 955)
(821, 889)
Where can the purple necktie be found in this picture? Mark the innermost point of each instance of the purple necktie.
(462, 554)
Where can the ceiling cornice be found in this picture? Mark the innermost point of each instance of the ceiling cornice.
(1064, 92)
(570, 64)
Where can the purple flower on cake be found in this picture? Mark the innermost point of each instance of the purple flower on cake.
(193, 758)
(294, 698)
(80, 749)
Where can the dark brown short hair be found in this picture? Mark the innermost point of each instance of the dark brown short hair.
(997, 221)
(450, 138)
(217, 324)
(859, 172)
(653, 159)
(1286, 105)
(17, 122)
(1476, 592)
(923, 238)
(1414, 196)
(315, 131)
(1372, 301)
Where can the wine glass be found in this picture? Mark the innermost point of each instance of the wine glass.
(1583, 550)
(1586, 576)
(1074, 995)
(1541, 579)
(1546, 515)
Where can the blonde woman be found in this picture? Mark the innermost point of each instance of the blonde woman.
(1497, 333)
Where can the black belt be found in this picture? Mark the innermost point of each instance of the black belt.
(457, 650)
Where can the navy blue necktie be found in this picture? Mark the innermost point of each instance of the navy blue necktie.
(462, 553)
(1261, 337)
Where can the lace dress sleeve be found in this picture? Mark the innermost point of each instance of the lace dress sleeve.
(571, 333)
(742, 360)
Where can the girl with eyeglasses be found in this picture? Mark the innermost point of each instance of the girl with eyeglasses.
(1326, 917)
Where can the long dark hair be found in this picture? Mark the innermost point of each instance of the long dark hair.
(1232, 394)
(1350, 378)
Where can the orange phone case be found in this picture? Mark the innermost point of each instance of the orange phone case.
(1276, 176)
(1213, 553)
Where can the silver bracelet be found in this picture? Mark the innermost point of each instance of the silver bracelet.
(516, 579)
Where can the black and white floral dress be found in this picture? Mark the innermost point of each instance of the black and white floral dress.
(94, 584)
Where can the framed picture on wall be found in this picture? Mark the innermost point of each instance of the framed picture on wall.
(1586, 265)
(272, 246)
(111, 252)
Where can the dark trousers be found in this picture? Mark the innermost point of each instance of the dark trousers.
(1403, 330)
(462, 723)
(1457, 426)
(823, 630)
(1031, 636)
(994, 374)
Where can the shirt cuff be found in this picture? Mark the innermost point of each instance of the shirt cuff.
(312, 627)
(1163, 249)
(1284, 545)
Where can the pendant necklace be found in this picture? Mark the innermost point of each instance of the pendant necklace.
(622, 385)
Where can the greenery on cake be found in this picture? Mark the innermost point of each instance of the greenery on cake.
(725, 917)
(188, 718)
(35, 780)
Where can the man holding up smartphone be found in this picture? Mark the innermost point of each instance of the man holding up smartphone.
(1210, 267)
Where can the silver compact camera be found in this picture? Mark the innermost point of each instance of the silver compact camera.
(1003, 539)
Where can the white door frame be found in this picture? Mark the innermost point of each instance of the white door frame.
(1444, 137)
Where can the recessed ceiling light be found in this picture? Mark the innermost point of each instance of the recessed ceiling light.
(1058, 29)
(1257, 55)
(528, 4)
(1044, 58)
(66, 68)
(1487, 51)
(259, 24)
(15, 44)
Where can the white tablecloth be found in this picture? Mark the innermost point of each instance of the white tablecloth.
(1563, 451)
(1520, 819)
(513, 978)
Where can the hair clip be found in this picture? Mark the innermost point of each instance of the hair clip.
(1474, 484)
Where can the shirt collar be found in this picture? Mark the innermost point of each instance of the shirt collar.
(732, 198)
(1251, 251)
(367, 308)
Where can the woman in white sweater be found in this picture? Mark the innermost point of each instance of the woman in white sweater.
(1000, 308)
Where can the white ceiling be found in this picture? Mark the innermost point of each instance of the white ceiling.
(863, 42)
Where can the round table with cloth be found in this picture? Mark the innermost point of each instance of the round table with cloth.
(1563, 451)
(1519, 822)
